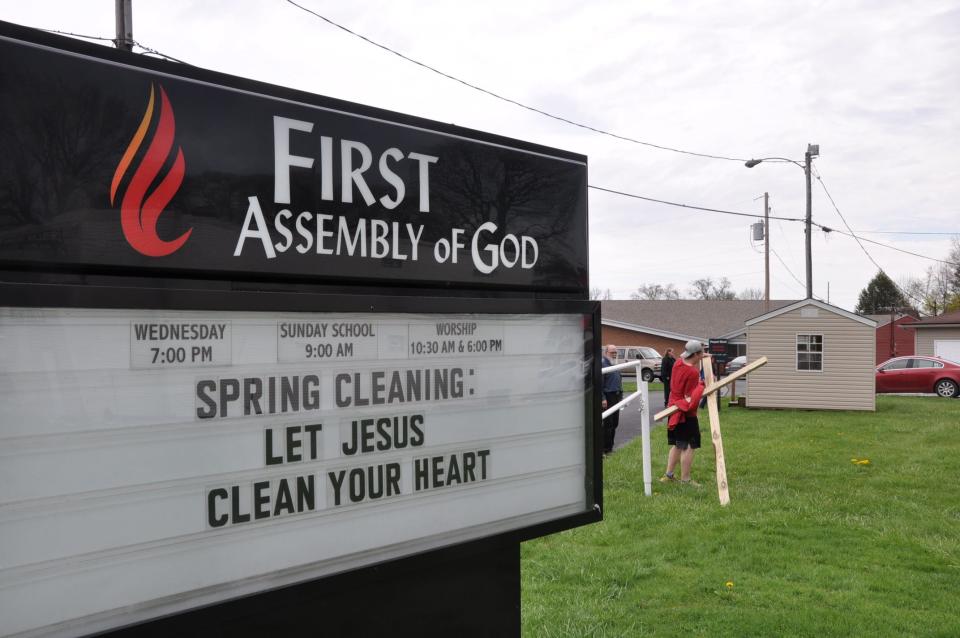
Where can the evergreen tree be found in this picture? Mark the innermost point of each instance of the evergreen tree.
(880, 295)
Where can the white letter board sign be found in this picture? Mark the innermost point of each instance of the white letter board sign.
(154, 459)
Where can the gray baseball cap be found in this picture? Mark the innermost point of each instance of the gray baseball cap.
(691, 348)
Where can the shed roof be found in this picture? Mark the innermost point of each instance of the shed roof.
(819, 304)
(685, 319)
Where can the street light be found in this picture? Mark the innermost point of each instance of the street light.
(813, 150)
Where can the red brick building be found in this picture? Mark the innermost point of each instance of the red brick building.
(664, 324)
(894, 339)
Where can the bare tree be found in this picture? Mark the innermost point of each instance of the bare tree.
(701, 288)
(939, 296)
(655, 291)
(708, 289)
(724, 290)
(931, 291)
(753, 294)
(954, 256)
(600, 295)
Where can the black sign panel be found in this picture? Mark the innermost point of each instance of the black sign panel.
(116, 162)
(718, 350)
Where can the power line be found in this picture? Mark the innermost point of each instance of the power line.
(790, 254)
(78, 35)
(784, 233)
(902, 291)
(864, 239)
(844, 219)
(902, 250)
(797, 279)
(155, 52)
(909, 232)
(787, 283)
(559, 118)
(94, 37)
(625, 138)
(824, 228)
(690, 206)
(792, 219)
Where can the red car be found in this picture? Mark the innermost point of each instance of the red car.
(919, 374)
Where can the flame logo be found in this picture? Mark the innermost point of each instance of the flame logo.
(139, 210)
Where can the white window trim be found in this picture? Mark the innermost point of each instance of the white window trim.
(796, 353)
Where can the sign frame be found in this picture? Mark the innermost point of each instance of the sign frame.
(472, 587)
(59, 295)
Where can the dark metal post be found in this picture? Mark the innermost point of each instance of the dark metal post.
(124, 12)
(766, 256)
(893, 337)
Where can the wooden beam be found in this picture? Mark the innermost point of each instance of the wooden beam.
(716, 385)
(713, 410)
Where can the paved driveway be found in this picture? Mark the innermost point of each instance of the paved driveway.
(629, 427)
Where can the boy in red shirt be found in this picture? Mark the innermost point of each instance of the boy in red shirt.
(683, 428)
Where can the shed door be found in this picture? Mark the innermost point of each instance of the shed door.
(948, 349)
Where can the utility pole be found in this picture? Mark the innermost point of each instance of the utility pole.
(813, 150)
(893, 337)
(766, 255)
(124, 13)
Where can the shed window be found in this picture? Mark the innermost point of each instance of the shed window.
(810, 352)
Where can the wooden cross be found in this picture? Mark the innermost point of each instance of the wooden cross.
(713, 410)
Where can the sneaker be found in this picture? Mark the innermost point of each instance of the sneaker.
(666, 478)
(690, 482)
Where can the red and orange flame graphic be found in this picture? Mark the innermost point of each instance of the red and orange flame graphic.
(139, 210)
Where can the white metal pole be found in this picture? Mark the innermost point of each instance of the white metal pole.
(645, 434)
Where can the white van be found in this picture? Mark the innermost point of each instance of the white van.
(648, 357)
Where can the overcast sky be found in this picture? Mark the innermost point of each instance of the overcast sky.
(875, 83)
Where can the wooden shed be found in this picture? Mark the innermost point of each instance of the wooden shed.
(819, 357)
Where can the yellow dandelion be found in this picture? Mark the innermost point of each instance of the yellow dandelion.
(729, 584)
(863, 462)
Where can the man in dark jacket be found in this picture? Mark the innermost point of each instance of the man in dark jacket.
(666, 370)
(612, 395)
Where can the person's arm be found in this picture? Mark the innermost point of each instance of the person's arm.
(604, 363)
(692, 399)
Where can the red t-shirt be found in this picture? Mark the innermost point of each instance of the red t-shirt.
(684, 382)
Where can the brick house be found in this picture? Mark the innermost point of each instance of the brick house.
(671, 323)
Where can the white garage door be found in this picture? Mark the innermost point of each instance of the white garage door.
(948, 349)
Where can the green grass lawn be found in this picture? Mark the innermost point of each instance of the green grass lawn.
(811, 544)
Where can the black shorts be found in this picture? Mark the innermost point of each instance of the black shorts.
(686, 434)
